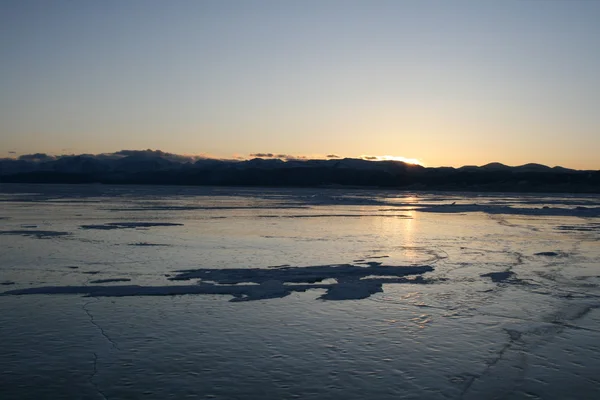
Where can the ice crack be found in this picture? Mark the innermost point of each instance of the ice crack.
(514, 336)
(94, 373)
(93, 322)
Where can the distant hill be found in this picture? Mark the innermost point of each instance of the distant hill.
(495, 166)
(157, 167)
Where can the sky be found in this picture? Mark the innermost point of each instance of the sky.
(447, 82)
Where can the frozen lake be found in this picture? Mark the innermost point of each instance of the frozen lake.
(113, 292)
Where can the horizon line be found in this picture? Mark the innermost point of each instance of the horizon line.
(184, 158)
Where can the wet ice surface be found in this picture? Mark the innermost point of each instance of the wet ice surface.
(336, 294)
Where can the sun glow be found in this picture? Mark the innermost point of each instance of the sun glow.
(393, 158)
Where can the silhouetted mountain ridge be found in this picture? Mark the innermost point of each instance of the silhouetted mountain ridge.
(157, 167)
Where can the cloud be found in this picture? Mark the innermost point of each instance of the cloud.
(392, 158)
(37, 157)
(192, 158)
(285, 157)
(179, 158)
(293, 158)
(12, 152)
(263, 155)
(149, 153)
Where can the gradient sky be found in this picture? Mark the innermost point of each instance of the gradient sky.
(447, 82)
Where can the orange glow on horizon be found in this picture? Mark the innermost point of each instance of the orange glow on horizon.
(393, 158)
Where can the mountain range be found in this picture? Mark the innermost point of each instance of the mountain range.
(157, 167)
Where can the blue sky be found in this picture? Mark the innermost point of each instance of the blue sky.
(446, 82)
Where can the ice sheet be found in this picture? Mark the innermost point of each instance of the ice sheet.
(462, 296)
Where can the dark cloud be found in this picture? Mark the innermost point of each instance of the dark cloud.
(159, 153)
(149, 154)
(155, 153)
(12, 152)
(287, 157)
(37, 157)
(370, 158)
(292, 158)
(263, 155)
